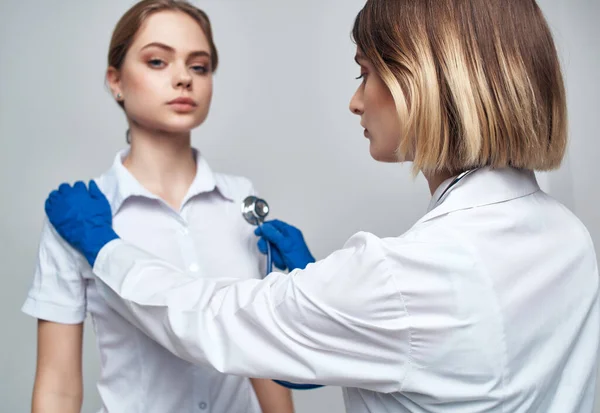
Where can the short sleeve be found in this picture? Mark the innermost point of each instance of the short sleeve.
(58, 291)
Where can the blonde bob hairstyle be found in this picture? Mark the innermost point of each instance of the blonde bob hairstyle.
(475, 82)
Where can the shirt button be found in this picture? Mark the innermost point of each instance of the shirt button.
(202, 405)
(194, 267)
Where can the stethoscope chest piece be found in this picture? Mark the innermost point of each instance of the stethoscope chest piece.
(255, 210)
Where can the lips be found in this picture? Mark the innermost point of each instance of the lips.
(182, 101)
(366, 132)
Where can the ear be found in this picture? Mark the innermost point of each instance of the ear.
(113, 78)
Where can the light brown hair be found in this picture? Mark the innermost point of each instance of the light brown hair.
(475, 82)
(129, 24)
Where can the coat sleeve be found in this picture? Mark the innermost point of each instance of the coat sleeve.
(341, 321)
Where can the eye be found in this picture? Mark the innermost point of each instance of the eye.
(156, 63)
(200, 69)
(362, 76)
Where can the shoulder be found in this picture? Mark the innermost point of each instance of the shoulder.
(108, 181)
(54, 251)
(570, 222)
(234, 187)
(112, 184)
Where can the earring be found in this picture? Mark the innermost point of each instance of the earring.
(118, 96)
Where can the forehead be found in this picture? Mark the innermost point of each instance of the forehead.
(173, 28)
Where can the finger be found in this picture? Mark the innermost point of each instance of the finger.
(271, 234)
(52, 197)
(262, 245)
(48, 206)
(282, 226)
(275, 254)
(277, 258)
(51, 202)
(95, 192)
(64, 188)
(274, 223)
(79, 186)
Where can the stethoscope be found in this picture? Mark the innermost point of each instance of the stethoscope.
(254, 211)
(455, 181)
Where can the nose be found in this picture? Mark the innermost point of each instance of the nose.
(356, 103)
(182, 79)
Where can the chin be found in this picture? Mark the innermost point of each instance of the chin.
(383, 156)
(185, 121)
(179, 124)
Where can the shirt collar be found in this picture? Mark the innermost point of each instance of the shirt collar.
(122, 185)
(482, 187)
(438, 193)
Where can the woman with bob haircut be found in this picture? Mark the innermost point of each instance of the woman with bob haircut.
(489, 303)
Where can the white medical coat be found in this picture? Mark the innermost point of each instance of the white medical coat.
(489, 303)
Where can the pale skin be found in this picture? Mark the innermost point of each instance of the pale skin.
(374, 103)
(168, 59)
(58, 385)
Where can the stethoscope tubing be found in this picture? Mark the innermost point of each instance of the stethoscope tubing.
(254, 218)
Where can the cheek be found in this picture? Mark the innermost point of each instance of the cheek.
(144, 85)
(202, 92)
(380, 109)
(390, 131)
(383, 122)
(204, 86)
(392, 121)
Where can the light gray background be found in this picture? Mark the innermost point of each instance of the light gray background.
(279, 116)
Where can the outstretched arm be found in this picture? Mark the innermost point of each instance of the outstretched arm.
(340, 321)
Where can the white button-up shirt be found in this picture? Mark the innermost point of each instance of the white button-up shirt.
(488, 304)
(206, 238)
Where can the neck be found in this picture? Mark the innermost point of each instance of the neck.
(163, 163)
(435, 179)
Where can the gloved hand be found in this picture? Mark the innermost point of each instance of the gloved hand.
(82, 217)
(288, 249)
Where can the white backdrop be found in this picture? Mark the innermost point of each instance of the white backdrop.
(279, 116)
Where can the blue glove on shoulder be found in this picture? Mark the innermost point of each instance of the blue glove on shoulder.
(289, 250)
(82, 217)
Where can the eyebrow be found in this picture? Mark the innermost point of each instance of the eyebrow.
(169, 49)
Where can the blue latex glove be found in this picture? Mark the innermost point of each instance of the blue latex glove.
(82, 217)
(288, 248)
